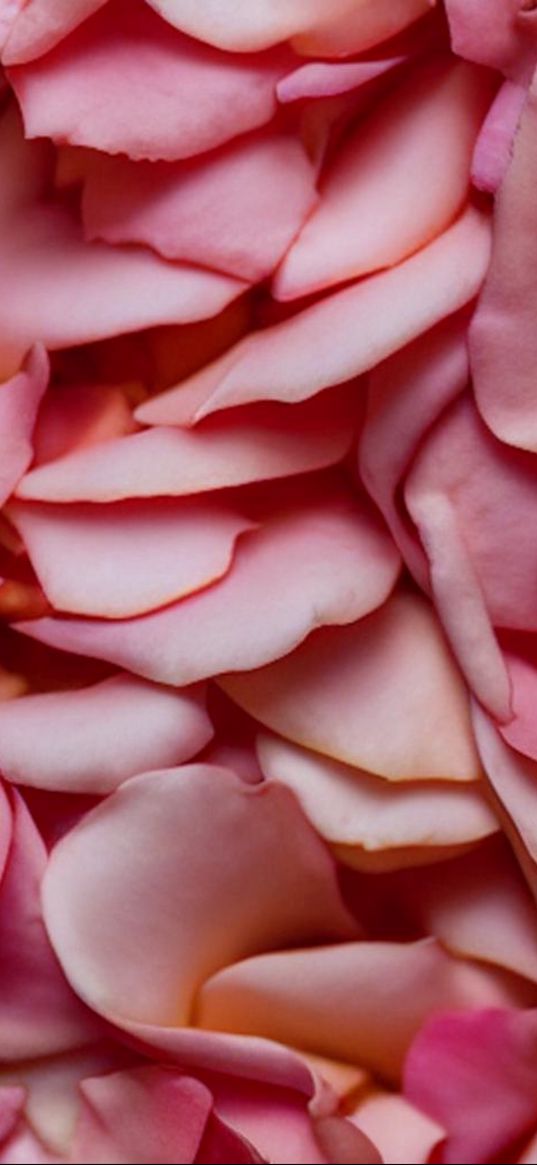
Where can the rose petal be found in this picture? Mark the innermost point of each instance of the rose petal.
(338, 563)
(98, 88)
(375, 210)
(521, 730)
(37, 25)
(73, 416)
(382, 695)
(401, 1132)
(19, 402)
(331, 78)
(123, 560)
(495, 33)
(90, 740)
(494, 146)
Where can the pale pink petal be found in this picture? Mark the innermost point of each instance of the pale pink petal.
(498, 33)
(265, 442)
(37, 25)
(343, 1142)
(39, 1014)
(64, 291)
(91, 739)
(352, 330)
(401, 1132)
(353, 809)
(19, 402)
(207, 211)
(126, 559)
(361, 1001)
(494, 146)
(383, 695)
(487, 1066)
(118, 84)
(375, 209)
(73, 416)
(502, 336)
(140, 924)
(330, 78)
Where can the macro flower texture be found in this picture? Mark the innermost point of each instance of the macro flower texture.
(268, 582)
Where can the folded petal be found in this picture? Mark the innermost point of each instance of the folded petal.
(338, 564)
(352, 330)
(498, 33)
(91, 739)
(382, 695)
(402, 1132)
(129, 558)
(19, 402)
(375, 209)
(494, 146)
(38, 25)
(264, 442)
(207, 211)
(119, 82)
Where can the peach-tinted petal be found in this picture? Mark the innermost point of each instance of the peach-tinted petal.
(123, 560)
(37, 25)
(118, 84)
(91, 739)
(352, 330)
(19, 402)
(502, 335)
(401, 1132)
(355, 809)
(383, 695)
(338, 565)
(375, 209)
(361, 1001)
(494, 146)
(141, 908)
(72, 416)
(63, 291)
(358, 26)
(207, 211)
(497, 33)
(487, 1066)
(265, 442)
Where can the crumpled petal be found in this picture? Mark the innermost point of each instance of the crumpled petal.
(382, 695)
(207, 211)
(264, 442)
(375, 210)
(118, 84)
(126, 559)
(19, 402)
(91, 739)
(338, 563)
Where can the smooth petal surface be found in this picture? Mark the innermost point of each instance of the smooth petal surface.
(98, 88)
(498, 33)
(75, 415)
(331, 78)
(494, 146)
(207, 211)
(138, 925)
(349, 332)
(338, 563)
(19, 402)
(39, 24)
(374, 208)
(265, 442)
(126, 559)
(382, 695)
(521, 730)
(90, 740)
(402, 1132)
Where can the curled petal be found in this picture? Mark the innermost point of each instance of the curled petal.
(38, 25)
(494, 146)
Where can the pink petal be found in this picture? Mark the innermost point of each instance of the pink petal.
(383, 695)
(64, 291)
(358, 812)
(494, 146)
(375, 210)
(137, 926)
(72, 416)
(358, 27)
(126, 559)
(401, 1132)
(11, 1105)
(338, 564)
(19, 402)
(265, 442)
(487, 1065)
(38, 25)
(207, 211)
(91, 739)
(497, 33)
(351, 331)
(118, 84)
(275, 1121)
(361, 1001)
(502, 336)
(330, 78)
(521, 730)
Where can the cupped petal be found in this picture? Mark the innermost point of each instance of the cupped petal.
(19, 402)
(119, 82)
(382, 695)
(141, 908)
(349, 332)
(363, 1002)
(263, 443)
(375, 210)
(487, 1065)
(353, 809)
(338, 563)
(123, 560)
(207, 211)
(91, 739)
